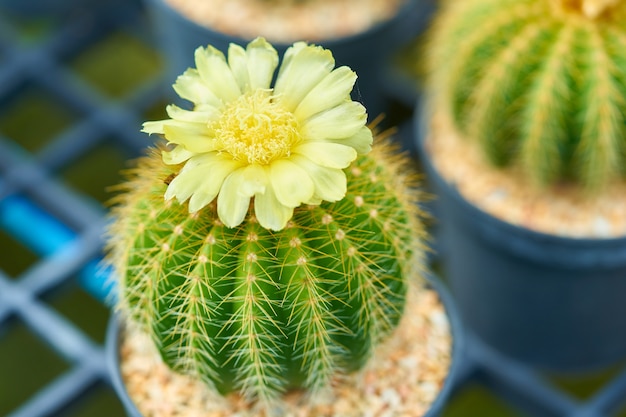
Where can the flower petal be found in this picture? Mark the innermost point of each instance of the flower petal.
(334, 89)
(330, 183)
(270, 213)
(232, 204)
(158, 126)
(193, 136)
(193, 116)
(190, 86)
(327, 154)
(216, 74)
(253, 67)
(303, 67)
(184, 184)
(292, 185)
(155, 127)
(234, 197)
(340, 121)
(238, 63)
(194, 174)
(361, 141)
(254, 180)
(212, 183)
(177, 155)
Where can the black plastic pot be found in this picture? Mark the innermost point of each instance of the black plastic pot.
(368, 53)
(112, 346)
(552, 302)
(455, 374)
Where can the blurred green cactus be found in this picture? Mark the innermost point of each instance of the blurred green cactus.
(541, 84)
(256, 311)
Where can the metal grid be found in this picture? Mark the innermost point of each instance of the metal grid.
(60, 224)
(41, 56)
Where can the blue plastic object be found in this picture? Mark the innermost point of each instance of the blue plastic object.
(553, 302)
(46, 236)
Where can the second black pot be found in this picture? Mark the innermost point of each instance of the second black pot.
(368, 53)
(552, 302)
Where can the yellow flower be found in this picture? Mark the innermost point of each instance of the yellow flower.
(284, 145)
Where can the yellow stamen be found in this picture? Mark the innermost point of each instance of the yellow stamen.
(256, 128)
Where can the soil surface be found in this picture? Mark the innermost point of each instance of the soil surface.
(564, 209)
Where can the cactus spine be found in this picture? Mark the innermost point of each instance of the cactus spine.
(259, 312)
(539, 84)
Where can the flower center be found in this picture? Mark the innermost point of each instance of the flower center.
(255, 128)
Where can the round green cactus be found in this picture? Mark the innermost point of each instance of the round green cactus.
(251, 310)
(540, 84)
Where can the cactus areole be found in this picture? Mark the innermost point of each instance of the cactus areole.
(260, 310)
(540, 84)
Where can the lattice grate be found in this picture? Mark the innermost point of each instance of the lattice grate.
(75, 85)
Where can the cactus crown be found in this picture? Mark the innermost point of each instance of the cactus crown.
(257, 311)
(539, 84)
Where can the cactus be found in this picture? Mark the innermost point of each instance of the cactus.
(268, 245)
(541, 85)
(256, 311)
